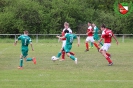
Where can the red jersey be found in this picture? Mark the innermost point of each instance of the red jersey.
(90, 30)
(107, 35)
(63, 34)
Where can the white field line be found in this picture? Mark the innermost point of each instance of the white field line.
(7, 80)
(4, 50)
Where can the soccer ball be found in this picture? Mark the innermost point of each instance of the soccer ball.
(53, 58)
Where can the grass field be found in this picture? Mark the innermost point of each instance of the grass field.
(92, 70)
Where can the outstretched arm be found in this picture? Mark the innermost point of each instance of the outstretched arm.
(60, 37)
(78, 38)
(115, 39)
(31, 46)
(15, 43)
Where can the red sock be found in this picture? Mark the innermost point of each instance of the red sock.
(72, 53)
(109, 60)
(87, 46)
(63, 54)
(108, 54)
(96, 45)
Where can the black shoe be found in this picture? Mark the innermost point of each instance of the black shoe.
(86, 50)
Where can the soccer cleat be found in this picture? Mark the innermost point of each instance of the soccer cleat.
(20, 67)
(110, 64)
(76, 61)
(86, 50)
(34, 60)
(61, 59)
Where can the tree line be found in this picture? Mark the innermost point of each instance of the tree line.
(48, 16)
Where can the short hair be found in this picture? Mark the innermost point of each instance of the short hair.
(103, 26)
(66, 23)
(89, 22)
(26, 32)
(66, 31)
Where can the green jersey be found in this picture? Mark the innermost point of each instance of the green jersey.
(96, 30)
(69, 40)
(25, 40)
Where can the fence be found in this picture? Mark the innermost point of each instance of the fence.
(36, 36)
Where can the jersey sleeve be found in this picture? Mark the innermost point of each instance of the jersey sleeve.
(19, 38)
(74, 36)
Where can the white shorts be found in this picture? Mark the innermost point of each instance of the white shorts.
(105, 46)
(63, 43)
(90, 39)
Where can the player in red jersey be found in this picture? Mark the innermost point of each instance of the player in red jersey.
(66, 27)
(107, 35)
(90, 37)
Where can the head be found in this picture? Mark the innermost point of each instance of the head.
(66, 25)
(26, 32)
(66, 31)
(89, 23)
(103, 27)
(93, 25)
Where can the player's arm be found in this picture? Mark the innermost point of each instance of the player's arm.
(100, 40)
(60, 37)
(78, 38)
(115, 39)
(31, 46)
(16, 41)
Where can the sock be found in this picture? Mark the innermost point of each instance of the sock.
(91, 44)
(63, 54)
(29, 59)
(87, 46)
(96, 45)
(21, 62)
(59, 54)
(109, 60)
(72, 53)
(108, 54)
(101, 43)
(72, 57)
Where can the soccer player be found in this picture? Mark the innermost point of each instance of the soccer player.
(69, 41)
(66, 27)
(90, 37)
(95, 34)
(25, 41)
(107, 35)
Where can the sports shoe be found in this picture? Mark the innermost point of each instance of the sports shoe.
(110, 64)
(61, 59)
(76, 60)
(34, 60)
(86, 50)
(20, 67)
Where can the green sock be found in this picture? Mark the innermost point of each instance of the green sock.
(29, 59)
(21, 62)
(72, 57)
(59, 54)
(91, 44)
(101, 43)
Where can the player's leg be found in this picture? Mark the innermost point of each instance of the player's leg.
(86, 44)
(21, 62)
(91, 45)
(95, 44)
(25, 53)
(103, 51)
(63, 52)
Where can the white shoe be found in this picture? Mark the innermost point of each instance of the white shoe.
(76, 60)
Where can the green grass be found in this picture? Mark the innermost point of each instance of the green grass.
(92, 70)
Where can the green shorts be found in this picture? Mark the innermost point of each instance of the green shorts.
(24, 52)
(96, 37)
(67, 48)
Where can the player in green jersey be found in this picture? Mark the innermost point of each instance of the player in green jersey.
(25, 41)
(95, 34)
(68, 46)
